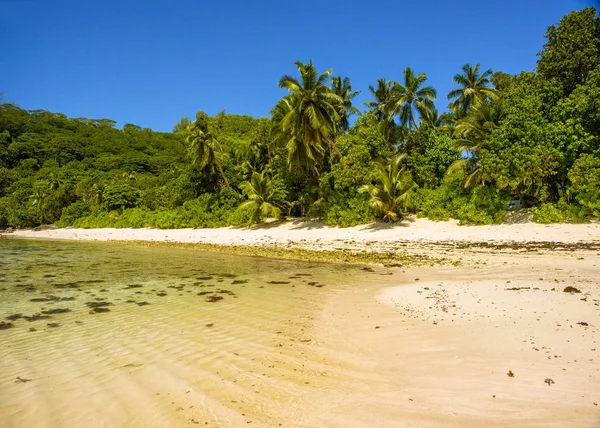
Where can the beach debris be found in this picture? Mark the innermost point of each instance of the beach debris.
(133, 365)
(99, 310)
(377, 326)
(214, 298)
(572, 290)
(239, 281)
(210, 324)
(510, 374)
(142, 303)
(278, 282)
(548, 381)
(161, 294)
(583, 323)
(204, 293)
(517, 288)
(53, 324)
(20, 379)
(5, 325)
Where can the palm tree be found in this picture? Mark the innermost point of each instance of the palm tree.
(472, 133)
(382, 95)
(203, 148)
(393, 190)
(475, 89)
(265, 196)
(443, 122)
(308, 117)
(409, 97)
(343, 89)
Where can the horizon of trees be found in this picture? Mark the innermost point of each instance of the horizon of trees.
(504, 136)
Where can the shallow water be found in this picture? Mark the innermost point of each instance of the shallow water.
(100, 334)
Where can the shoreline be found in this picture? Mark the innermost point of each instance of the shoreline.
(411, 236)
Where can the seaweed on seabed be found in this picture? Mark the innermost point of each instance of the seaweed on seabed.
(56, 311)
(5, 325)
(214, 298)
(98, 304)
(99, 310)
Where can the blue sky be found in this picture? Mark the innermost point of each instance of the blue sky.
(151, 62)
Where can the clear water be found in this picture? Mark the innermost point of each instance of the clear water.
(126, 335)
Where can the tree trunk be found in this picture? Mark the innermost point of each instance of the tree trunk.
(222, 173)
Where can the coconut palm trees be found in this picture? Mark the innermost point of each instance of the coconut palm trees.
(470, 139)
(203, 148)
(410, 98)
(392, 191)
(382, 94)
(475, 89)
(309, 117)
(265, 196)
(343, 89)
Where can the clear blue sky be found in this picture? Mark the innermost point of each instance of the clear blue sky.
(151, 62)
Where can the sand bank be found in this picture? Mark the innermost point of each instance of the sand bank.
(319, 236)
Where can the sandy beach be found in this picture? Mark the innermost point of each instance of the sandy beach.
(496, 340)
(317, 235)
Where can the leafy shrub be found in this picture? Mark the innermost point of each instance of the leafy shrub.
(585, 182)
(120, 196)
(73, 212)
(547, 213)
(347, 212)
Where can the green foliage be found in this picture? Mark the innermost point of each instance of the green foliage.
(572, 50)
(547, 213)
(585, 182)
(265, 196)
(474, 91)
(409, 98)
(482, 205)
(308, 119)
(347, 211)
(391, 194)
(536, 134)
(120, 196)
(71, 213)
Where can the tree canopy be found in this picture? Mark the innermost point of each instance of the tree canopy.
(534, 136)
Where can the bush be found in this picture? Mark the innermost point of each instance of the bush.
(547, 213)
(347, 212)
(73, 212)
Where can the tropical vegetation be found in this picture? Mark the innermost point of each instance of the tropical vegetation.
(534, 136)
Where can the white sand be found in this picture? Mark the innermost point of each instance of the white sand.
(320, 236)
